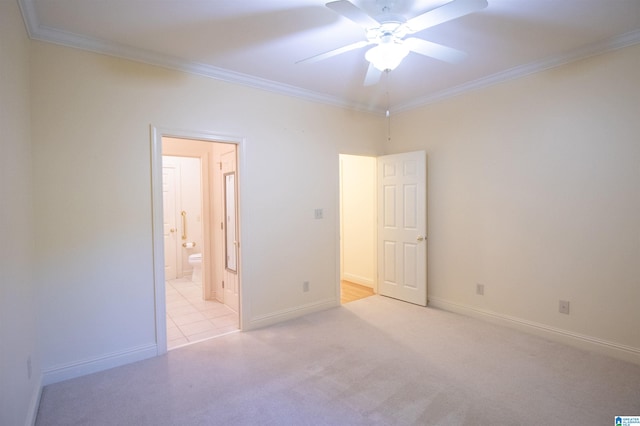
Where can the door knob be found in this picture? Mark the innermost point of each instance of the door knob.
(420, 238)
(172, 230)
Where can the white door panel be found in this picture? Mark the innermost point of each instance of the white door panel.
(231, 282)
(402, 249)
(169, 221)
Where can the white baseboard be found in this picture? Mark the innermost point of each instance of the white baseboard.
(626, 353)
(81, 368)
(358, 279)
(287, 314)
(34, 404)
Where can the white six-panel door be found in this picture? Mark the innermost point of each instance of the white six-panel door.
(402, 225)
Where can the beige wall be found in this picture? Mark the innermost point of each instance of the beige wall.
(533, 192)
(18, 326)
(92, 152)
(358, 207)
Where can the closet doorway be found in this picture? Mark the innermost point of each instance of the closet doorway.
(358, 262)
(383, 224)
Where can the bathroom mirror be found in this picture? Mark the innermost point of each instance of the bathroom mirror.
(230, 236)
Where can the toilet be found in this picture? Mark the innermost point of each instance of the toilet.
(195, 260)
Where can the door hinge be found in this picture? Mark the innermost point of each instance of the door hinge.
(221, 225)
(222, 284)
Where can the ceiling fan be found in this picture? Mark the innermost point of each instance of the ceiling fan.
(388, 31)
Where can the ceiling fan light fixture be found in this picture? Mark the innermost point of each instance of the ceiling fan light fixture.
(387, 55)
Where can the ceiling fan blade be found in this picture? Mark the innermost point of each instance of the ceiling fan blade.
(447, 12)
(353, 12)
(334, 52)
(434, 50)
(373, 75)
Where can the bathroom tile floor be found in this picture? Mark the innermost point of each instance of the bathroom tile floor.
(190, 318)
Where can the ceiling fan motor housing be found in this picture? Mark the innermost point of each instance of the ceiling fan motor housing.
(394, 28)
(386, 6)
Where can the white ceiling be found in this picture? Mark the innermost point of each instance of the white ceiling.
(257, 42)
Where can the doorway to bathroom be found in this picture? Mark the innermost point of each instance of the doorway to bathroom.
(200, 239)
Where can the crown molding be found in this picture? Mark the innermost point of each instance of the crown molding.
(51, 35)
(68, 39)
(624, 40)
(29, 16)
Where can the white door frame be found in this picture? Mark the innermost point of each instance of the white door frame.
(157, 133)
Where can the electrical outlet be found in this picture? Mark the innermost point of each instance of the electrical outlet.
(563, 307)
(305, 286)
(318, 213)
(480, 289)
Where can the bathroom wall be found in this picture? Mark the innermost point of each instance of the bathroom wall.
(205, 151)
(358, 215)
(20, 372)
(91, 126)
(534, 192)
(188, 199)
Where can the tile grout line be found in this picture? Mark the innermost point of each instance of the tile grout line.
(186, 296)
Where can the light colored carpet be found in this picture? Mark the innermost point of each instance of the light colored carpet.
(376, 361)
